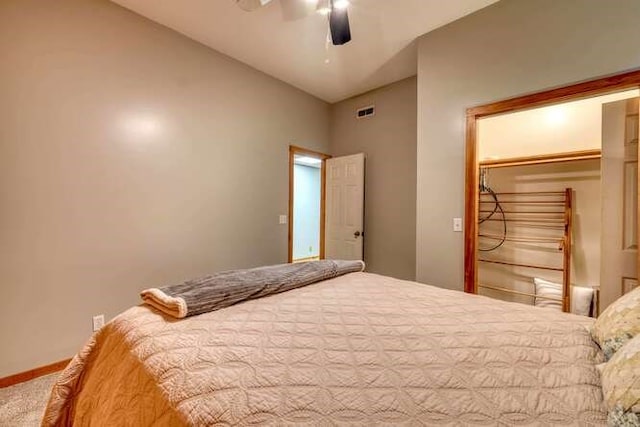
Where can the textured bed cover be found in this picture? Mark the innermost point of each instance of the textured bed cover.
(359, 349)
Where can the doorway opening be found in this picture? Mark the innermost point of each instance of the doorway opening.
(545, 173)
(307, 171)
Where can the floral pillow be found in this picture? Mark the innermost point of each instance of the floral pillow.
(618, 323)
(621, 385)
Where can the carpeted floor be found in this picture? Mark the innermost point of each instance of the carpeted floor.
(22, 405)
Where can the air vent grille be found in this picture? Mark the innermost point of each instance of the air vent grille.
(367, 111)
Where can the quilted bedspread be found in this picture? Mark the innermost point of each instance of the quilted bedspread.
(360, 349)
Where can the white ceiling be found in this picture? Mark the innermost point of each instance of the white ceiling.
(295, 50)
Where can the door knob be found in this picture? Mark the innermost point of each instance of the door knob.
(357, 234)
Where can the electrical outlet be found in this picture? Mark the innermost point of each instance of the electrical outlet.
(457, 224)
(98, 322)
(310, 249)
(283, 219)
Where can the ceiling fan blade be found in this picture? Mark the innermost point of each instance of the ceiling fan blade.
(251, 5)
(296, 9)
(339, 26)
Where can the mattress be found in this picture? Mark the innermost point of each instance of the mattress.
(360, 349)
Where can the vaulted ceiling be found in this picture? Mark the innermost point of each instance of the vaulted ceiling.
(294, 48)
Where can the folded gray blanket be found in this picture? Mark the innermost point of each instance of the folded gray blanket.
(219, 290)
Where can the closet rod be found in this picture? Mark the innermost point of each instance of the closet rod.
(526, 294)
(523, 239)
(515, 264)
(542, 159)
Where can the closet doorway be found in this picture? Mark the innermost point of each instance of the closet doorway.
(545, 173)
(307, 171)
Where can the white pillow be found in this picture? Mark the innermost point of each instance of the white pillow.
(581, 297)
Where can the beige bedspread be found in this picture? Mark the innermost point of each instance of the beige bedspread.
(360, 349)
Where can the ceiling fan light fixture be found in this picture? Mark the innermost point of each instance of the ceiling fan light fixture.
(341, 4)
(323, 7)
(251, 5)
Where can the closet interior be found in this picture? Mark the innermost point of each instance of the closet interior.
(557, 201)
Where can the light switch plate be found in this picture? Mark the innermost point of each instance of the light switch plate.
(457, 224)
(283, 219)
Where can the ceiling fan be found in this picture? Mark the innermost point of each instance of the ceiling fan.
(293, 9)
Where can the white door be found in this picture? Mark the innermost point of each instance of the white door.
(619, 241)
(344, 226)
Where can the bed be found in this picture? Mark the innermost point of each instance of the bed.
(359, 349)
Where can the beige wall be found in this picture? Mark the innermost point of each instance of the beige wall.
(130, 157)
(389, 141)
(584, 178)
(507, 49)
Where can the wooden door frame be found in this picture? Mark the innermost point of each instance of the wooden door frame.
(293, 151)
(587, 89)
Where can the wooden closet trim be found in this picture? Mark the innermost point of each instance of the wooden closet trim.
(601, 86)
